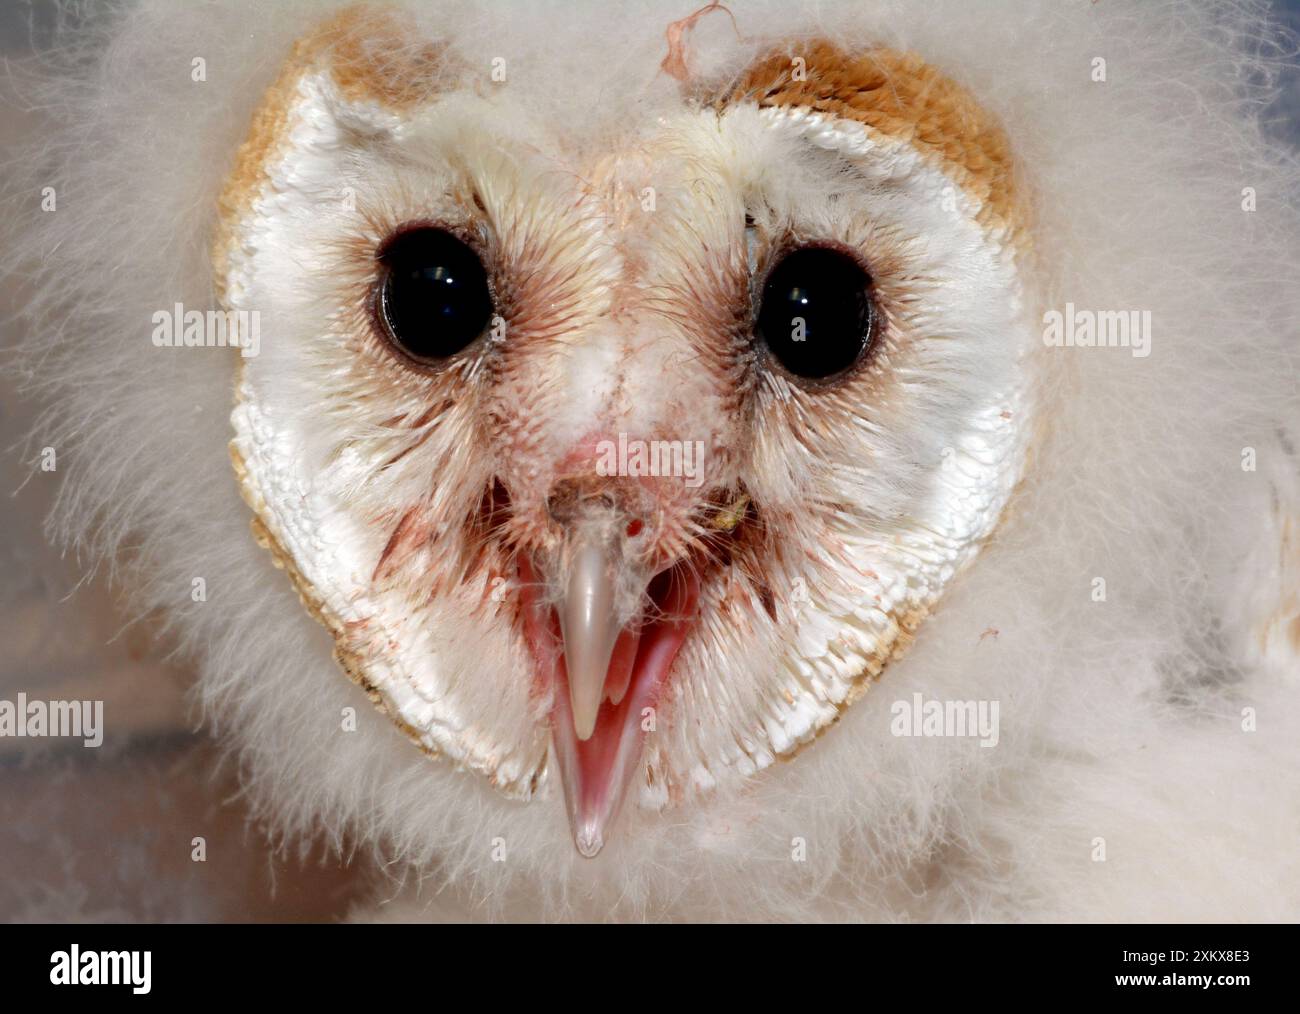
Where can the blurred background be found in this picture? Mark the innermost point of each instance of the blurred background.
(105, 834)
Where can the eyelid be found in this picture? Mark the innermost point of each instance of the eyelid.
(791, 242)
(463, 231)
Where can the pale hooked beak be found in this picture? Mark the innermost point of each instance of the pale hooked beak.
(590, 627)
(619, 631)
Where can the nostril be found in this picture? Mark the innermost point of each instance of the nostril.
(560, 501)
(568, 495)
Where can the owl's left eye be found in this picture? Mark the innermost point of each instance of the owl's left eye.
(815, 314)
(436, 298)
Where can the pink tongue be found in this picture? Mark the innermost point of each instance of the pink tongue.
(597, 772)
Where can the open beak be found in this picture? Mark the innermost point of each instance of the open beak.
(607, 673)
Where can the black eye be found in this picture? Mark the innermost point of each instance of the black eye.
(815, 312)
(436, 298)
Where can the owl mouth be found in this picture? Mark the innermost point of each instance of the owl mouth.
(598, 748)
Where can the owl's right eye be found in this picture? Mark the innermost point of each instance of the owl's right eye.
(436, 297)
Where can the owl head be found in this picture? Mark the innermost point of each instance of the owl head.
(639, 405)
(624, 454)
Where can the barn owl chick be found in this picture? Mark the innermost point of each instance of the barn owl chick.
(629, 427)
(735, 289)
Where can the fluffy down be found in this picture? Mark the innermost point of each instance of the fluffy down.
(1122, 720)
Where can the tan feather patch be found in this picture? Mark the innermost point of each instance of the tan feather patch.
(368, 55)
(903, 97)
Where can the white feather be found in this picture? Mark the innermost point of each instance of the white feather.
(1121, 720)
